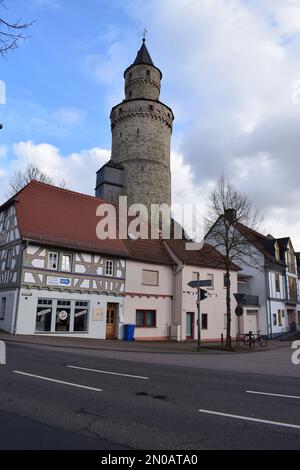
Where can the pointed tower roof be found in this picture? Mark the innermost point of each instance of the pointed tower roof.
(143, 56)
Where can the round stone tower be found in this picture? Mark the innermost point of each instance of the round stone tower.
(141, 135)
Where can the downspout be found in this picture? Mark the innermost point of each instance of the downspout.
(176, 272)
(15, 319)
(268, 306)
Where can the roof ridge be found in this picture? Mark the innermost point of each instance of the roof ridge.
(53, 187)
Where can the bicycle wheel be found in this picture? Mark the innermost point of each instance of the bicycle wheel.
(246, 340)
(262, 342)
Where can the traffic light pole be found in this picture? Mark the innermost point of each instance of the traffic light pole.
(199, 314)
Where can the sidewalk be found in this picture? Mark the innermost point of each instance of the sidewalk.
(158, 347)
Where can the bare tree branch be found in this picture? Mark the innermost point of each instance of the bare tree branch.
(31, 173)
(11, 33)
(229, 212)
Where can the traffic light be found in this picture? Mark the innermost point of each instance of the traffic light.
(203, 294)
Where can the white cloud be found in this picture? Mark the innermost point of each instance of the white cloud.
(78, 170)
(3, 151)
(229, 65)
(69, 116)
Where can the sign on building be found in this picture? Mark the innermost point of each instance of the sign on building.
(58, 281)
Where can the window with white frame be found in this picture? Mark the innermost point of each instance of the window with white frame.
(2, 308)
(66, 262)
(65, 316)
(53, 258)
(9, 257)
(109, 267)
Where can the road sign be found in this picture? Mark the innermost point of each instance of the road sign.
(204, 283)
(239, 311)
(239, 298)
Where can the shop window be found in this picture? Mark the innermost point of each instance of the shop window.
(43, 315)
(53, 260)
(146, 318)
(63, 314)
(81, 316)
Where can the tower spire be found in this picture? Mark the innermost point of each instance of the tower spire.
(143, 56)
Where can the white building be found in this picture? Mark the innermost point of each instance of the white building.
(269, 280)
(58, 278)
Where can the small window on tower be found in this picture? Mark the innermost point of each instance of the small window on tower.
(151, 107)
(120, 110)
(137, 131)
(130, 75)
(148, 73)
(130, 94)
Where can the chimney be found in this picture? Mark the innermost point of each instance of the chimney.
(230, 215)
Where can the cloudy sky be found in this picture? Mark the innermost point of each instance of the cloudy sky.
(231, 74)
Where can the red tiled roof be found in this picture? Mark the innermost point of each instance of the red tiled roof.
(208, 256)
(48, 214)
(149, 251)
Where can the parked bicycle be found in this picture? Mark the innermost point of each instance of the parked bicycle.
(250, 339)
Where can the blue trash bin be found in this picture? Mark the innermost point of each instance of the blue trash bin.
(129, 332)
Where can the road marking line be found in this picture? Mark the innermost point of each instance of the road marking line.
(110, 373)
(256, 420)
(273, 394)
(58, 381)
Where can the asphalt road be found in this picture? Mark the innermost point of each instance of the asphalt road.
(45, 404)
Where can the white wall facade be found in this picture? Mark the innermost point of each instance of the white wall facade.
(26, 317)
(139, 296)
(7, 323)
(214, 306)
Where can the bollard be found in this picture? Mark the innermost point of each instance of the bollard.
(2, 353)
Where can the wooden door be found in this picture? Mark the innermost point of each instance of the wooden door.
(111, 319)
